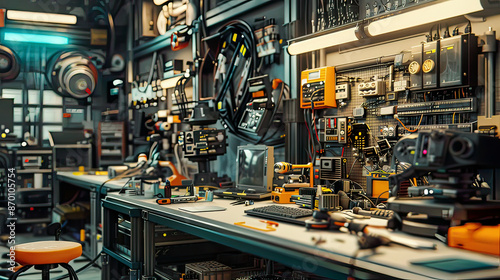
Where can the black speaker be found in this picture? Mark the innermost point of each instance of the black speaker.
(9, 64)
(72, 74)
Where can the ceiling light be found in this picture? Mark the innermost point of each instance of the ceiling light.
(159, 2)
(35, 38)
(420, 16)
(41, 17)
(323, 41)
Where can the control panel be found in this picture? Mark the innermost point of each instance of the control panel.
(203, 143)
(318, 86)
(334, 129)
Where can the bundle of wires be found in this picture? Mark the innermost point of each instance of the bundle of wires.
(237, 46)
(180, 96)
(310, 120)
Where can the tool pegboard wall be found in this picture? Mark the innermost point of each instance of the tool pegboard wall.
(390, 113)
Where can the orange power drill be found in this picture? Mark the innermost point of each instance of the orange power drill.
(285, 167)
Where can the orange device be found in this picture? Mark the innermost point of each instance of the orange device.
(284, 167)
(284, 194)
(318, 84)
(475, 237)
(176, 178)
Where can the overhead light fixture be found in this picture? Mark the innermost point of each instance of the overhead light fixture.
(41, 17)
(323, 41)
(160, 2)
(35, 38)
(420, 16)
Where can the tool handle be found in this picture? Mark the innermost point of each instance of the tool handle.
(163, 201)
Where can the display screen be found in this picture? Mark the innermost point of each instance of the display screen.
(314, 75)
(251, 170)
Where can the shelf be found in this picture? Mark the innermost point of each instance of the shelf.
(33, 189)
(111, 162)
(107, 153)
(231, 9)
(27, 171)
(160, 42)
(34, 152)
(34, 221)
(34, 205)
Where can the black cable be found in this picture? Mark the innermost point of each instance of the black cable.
(274, 111)
(230, 115)
(352, 166)
(81, 268)
(378, 197)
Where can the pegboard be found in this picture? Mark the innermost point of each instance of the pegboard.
(373, 104)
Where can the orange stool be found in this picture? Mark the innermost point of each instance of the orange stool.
(45, 255)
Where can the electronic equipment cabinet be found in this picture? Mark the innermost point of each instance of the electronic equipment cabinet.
(34, 185)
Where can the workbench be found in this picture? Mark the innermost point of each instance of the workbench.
(92, 184)
(336, 256)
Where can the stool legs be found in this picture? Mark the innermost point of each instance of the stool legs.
(19, 271)
(71, 271)
(45, 271)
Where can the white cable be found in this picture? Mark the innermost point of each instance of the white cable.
(186, 168)
(180, 167)
(151, 150)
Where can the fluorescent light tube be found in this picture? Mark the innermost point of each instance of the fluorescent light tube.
(35, 38)
(41, 17)
(159, 2)
(323, 41)
(420, 16)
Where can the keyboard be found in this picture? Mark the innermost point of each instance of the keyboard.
(282, 213)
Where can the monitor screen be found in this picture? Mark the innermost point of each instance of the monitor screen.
(254, 166)
(251, 167)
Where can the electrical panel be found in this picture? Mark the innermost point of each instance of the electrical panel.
(342, 91)
(318, 86)
(458, 61)
(373, 88)
(430, 65)
(415, 68)
(334, 130)
(463, 105)
(465, 127)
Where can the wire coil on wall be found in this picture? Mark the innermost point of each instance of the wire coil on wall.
(72, 73)
(9, 64)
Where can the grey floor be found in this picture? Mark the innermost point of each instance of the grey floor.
(91, 273)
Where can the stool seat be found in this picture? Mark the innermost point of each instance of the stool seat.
(47, 252)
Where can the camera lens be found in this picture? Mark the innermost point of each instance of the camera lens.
(461, 147)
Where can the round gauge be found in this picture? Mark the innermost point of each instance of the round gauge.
(9, 64)
(73, 74)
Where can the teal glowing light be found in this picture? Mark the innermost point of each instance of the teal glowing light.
(36, 38)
